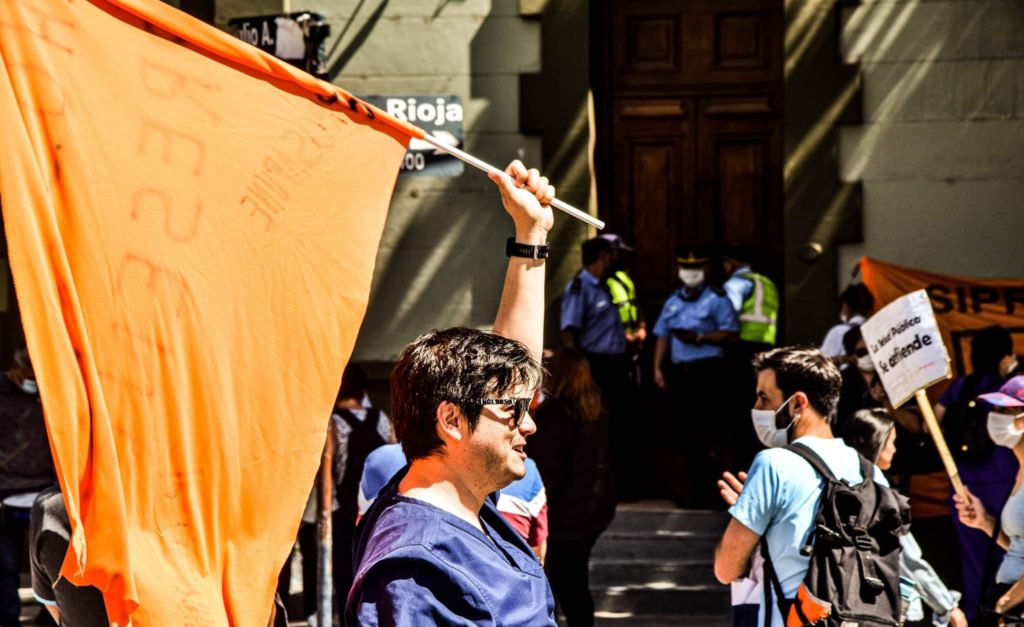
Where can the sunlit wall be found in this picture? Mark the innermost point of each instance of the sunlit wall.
(940, 151)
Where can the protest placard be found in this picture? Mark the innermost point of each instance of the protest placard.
(907, 349)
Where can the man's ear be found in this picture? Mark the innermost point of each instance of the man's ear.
(800, 403)
(448, 418)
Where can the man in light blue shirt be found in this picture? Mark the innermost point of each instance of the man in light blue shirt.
(798, 390)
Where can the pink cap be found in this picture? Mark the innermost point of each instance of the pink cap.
(1010, 395)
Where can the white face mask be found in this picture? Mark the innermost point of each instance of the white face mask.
(1011, 367)
(1002, 430)
(767, 431)
(29, 386)
(844, 318)
(864, 364)
(691, 278)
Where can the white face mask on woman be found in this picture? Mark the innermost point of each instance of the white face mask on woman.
(1002, 430)
(766, 428)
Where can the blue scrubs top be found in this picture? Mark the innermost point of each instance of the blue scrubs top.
(708, 312)
(587, 306)
(417, 564)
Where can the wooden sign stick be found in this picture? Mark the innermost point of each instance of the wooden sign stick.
(940, 443)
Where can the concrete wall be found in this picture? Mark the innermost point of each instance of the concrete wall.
(441, 261)
(939, 152)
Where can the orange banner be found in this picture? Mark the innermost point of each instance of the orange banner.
(192, 227)
(962, 305)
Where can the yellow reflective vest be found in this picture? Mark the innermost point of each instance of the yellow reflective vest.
(624, 297)
(759, 314)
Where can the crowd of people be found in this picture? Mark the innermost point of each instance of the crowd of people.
(479, 499)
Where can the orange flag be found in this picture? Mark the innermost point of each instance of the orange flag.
(192, 227)
(963, 305)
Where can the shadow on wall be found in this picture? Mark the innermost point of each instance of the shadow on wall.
(826, 41)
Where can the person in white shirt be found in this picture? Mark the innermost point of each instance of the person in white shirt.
(856, 304)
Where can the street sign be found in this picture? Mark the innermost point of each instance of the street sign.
(293, 37)
(441, 116)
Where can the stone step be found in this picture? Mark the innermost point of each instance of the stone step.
(628, 619)
(661, 546)
(621, 572)
(638, 518)
(663, 600)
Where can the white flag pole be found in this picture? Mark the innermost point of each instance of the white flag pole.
(486, 167)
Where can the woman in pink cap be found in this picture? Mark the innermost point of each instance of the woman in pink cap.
(1006, 428)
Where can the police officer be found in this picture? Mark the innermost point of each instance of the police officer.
(696, 323)
(754, 297)
(592, 323)
(623, 292)
(756, 300)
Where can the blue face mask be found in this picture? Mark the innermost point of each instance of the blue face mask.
(29, 386)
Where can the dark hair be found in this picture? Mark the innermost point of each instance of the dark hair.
(457, 365)
(592, 249)
(866, 431)
(988, 347)
(353, 382)
(804, 370)
(851, 337)
(858, 298)
(571, 383)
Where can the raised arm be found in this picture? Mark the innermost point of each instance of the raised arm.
(521, 312)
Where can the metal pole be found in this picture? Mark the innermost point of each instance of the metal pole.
(325, 582)
(486, 167)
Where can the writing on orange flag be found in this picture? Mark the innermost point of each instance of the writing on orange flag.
(962, 305)
(192, 228)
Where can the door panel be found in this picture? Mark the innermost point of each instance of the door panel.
(653, 166)
(661, 45)
(739, 161)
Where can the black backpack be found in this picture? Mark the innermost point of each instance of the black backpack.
(362, 440)
(965, 425)
(854, 546)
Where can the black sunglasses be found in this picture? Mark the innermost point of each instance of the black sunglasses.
(520, 406)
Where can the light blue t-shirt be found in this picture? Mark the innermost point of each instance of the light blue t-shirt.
(780, 500)
(1012, 568)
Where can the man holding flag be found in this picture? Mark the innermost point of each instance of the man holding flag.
(433, 548)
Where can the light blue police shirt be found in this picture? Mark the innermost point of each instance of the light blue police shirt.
(587, 306)
(708, 312)
(739, 288)
(780, 500)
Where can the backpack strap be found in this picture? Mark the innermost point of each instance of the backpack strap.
(372, 418)
(346, 415)
(812, 458)
(771, 584)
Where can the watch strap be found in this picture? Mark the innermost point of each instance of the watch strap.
(529, 251)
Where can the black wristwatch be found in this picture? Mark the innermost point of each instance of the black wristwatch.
(515, 249)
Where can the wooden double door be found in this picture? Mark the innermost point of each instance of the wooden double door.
(689, 103)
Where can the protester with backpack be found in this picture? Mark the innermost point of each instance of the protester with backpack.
(872, 433)
(359, 431)
(987, 470)
(830, 538)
